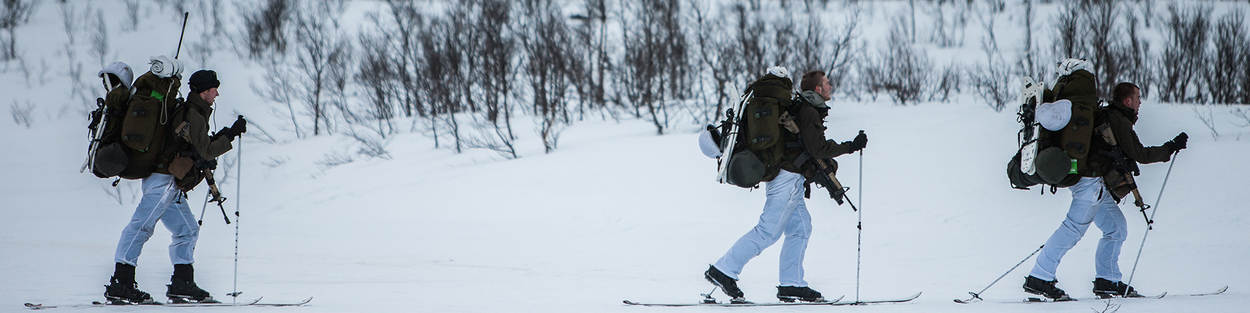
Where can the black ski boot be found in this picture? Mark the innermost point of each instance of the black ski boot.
(182, 288)
(1106, 289)
(805, 294)
(716, 277)
(122, 288)
(1044, 288)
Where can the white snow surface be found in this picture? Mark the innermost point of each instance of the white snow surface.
(616, 213)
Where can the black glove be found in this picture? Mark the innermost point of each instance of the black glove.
(240, 126)
(1178, 143)
(859, 142)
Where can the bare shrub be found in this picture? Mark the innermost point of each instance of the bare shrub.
(1136, 54)
(265, 29)
(377, 77)
(22, 113)
(1228, 50)
(494, 52)
(372, 145)
(946, 83)
(1109, 55)
(991, 80)
(132, 15)
(655, 60)
(547, 52)
(334, 158)
(951, 22)
(1207, 117)
(321, 60)
(1183, 52)
(1070, 32)
(100, 38)
(13, 13)
(900, 69)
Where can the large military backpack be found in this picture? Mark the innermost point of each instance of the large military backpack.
(1056, 155)
(147, 123)
(758, 147)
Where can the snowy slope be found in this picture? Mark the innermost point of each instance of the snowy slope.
(615, 213)
(621, 213)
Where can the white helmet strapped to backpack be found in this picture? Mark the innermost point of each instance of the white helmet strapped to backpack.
(121, 70)
(779, 71)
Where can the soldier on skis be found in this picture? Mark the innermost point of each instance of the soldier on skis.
(1115, 153)
(188, 150)
(784, 211)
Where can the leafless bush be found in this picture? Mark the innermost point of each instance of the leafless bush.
(100, 38)
(132, 15)
(1029, 63)
(719, 55)
(1241, 117)
(443, 64)
(946, 82)
(493, 73)
(371, 145)
(592, 37)
(547, 53)
(377, 77)
(655, 60)
(1208, 119)
(1109, 54)
(13, 13)
(1228, 50)
(750, 29)
(1183, 52)
(334, 158)
(951, 22)
(75, 73)
(265, 29)
(258, 130)
(278, 85)
(1137, 53)
(22, 113)
(1070, 32)
(842, 51)
(321, 60)
(900, 69)
(991, 80)
(275, 161)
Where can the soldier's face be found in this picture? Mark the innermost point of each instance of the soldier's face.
(1133, 101)
(825, 89)
(209, 95)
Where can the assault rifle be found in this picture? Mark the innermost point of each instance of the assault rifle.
(829, 181)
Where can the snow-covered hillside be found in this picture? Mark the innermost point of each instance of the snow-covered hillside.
(616, 213)
(621, 213)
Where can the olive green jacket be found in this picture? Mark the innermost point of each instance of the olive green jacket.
(811, 111)
(1121, 120)
(191, 132)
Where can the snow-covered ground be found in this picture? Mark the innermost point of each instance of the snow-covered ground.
(621, 213)
(616, 213)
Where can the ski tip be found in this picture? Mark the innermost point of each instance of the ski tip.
(626, 301)
(839, 299)
(913, 297)
(306, 301)
(1222, 290)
